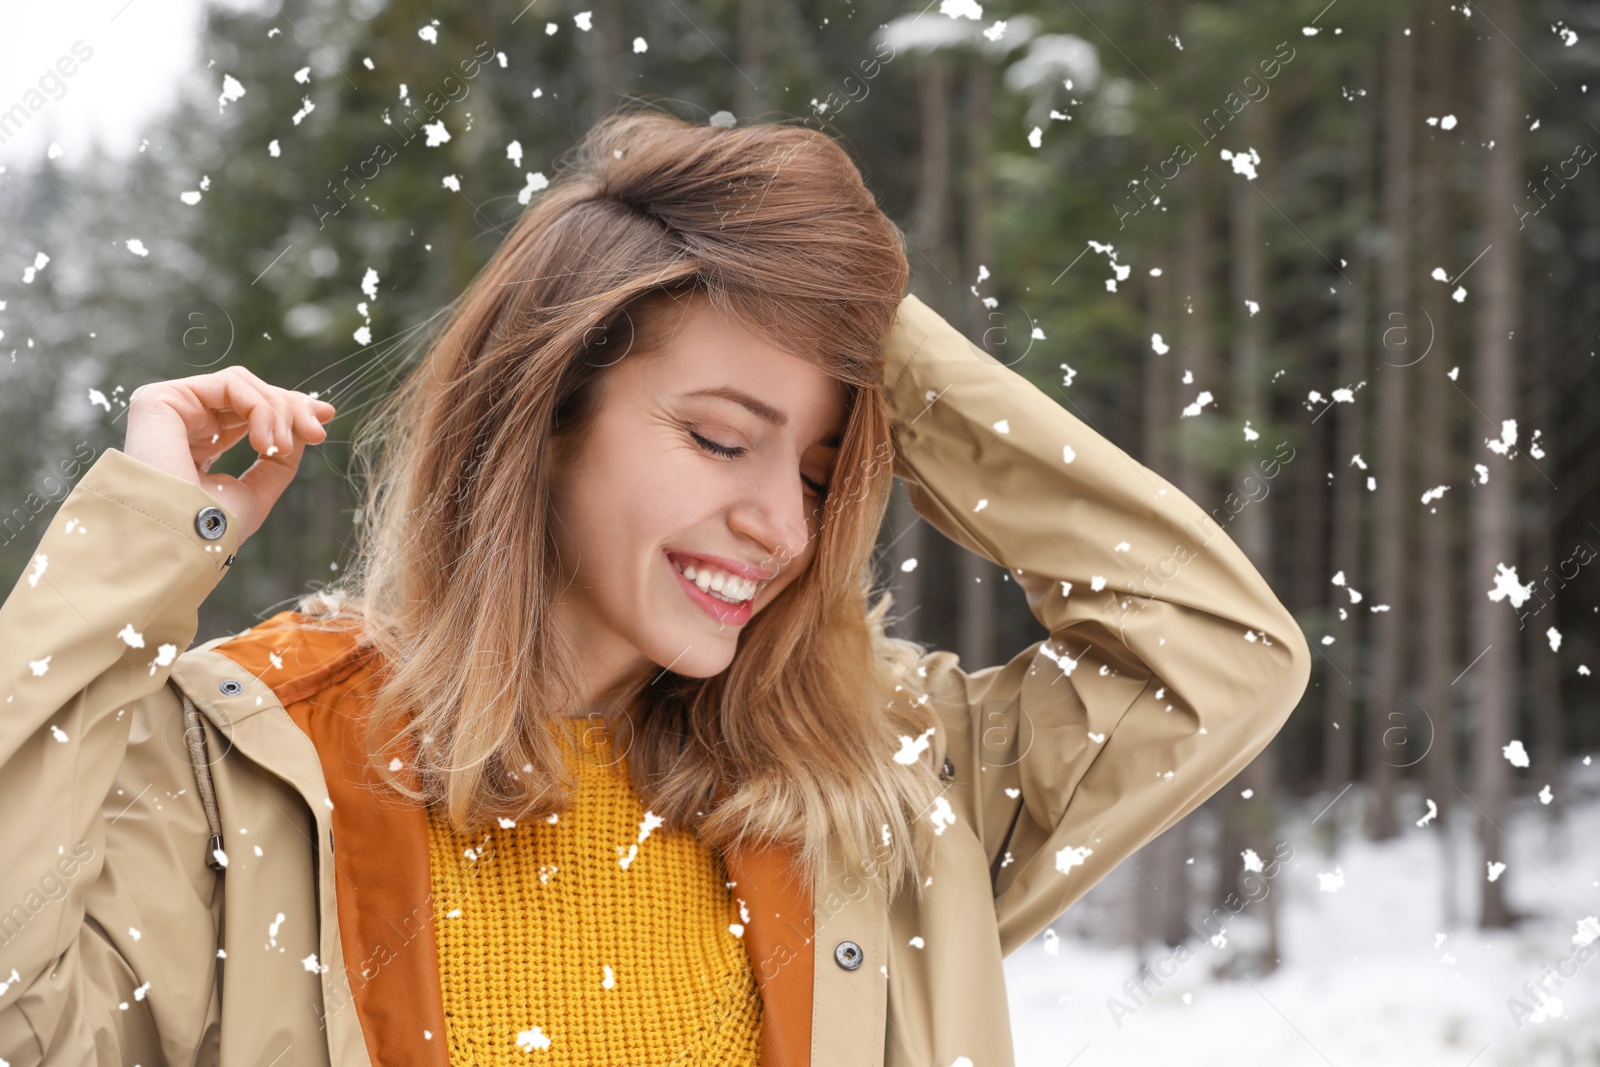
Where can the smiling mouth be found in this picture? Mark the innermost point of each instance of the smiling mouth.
(718, 605)
(684, 568)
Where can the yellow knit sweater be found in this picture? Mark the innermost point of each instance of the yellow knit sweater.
(591, 937)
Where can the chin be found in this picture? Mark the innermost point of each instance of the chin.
(691, 652)
(702, 661)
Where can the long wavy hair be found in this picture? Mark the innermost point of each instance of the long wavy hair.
(456, 573)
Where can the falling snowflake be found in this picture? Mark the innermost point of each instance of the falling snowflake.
(528, 1040)
(912, 747)
(1245, 162)
(29, 273)
(1506, 586)
(536, 181)
(1199, 404)
(1433, 811)
(1071, 856)
(961, 9)
(231, 91)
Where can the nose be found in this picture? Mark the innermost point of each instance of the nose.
(773, 514)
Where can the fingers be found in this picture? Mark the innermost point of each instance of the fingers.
(216, 407)
(269, 476)
(234, 402)
(186, 424)
(310, 415)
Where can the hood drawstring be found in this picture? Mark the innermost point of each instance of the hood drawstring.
(194, 735)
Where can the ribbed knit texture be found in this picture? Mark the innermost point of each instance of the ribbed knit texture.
(592, 937)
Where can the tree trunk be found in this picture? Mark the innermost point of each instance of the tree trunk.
(1389, 739)
(752, 58)
(607, 86)
(1197, 339)
(929, 243)
(1251, 529)
(1163, 911)
(1544, 681)
(1343, 696)
(1493, 535)
(1439, 593)
(930, 217)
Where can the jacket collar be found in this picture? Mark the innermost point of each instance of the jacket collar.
(324, 682)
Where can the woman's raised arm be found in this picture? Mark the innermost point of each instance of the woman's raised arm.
(1170, 664)
(88, 636)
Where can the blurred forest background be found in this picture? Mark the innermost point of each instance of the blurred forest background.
(1330, 267)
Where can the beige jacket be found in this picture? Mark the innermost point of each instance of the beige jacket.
(1171, 665)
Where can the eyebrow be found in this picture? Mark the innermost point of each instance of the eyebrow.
(760, 409)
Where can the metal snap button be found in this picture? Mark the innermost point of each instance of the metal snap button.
(949, 771)
(848, 955)
(231, 687)
(211, 522)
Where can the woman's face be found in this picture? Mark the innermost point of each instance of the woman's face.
(709, 448)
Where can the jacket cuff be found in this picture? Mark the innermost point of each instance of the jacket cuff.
(162, 498)
(124, 565)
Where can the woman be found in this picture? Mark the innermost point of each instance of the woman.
(602, 754)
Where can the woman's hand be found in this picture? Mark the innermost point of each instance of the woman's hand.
(182, 426)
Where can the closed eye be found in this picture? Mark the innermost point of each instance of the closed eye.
(734, 452)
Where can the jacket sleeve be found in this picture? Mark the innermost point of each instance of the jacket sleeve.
(1170, 663)
(87, 638)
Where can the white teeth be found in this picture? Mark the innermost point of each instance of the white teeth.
(718, 583)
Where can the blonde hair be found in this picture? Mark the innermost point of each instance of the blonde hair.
(456, 571)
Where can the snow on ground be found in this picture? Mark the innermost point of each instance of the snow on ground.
(1366, 980)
